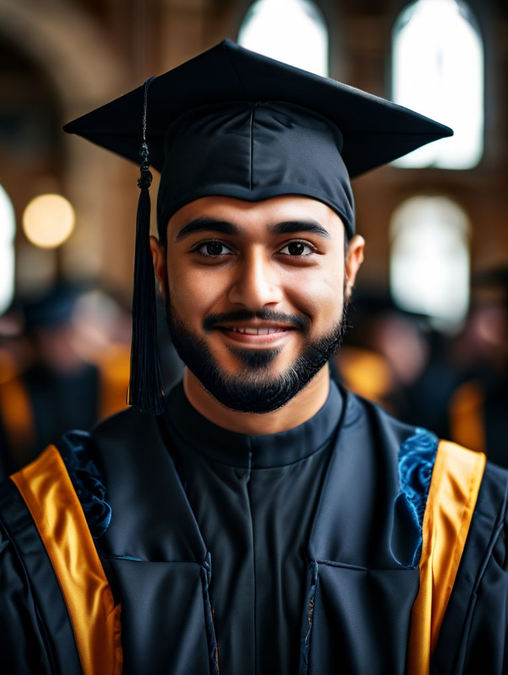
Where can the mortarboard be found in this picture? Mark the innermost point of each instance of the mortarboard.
(233, 123)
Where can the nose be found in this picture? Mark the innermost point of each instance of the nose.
(256, 283)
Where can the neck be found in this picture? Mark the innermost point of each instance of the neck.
(297, 411)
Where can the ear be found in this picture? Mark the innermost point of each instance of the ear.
(354, 259)
(159, 264)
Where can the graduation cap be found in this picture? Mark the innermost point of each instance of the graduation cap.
(233, 123)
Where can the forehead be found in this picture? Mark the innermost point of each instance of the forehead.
(250, 216)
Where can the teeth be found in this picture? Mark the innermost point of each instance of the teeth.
(256, 331)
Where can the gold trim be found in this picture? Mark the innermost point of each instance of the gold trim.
(456, 480)
(49, 495)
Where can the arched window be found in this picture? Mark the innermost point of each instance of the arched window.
(438, 70)
(7, 233)
(429, 259)
(293, 31)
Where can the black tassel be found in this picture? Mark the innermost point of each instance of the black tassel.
(146, 392)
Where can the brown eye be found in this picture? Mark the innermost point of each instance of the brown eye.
(296, 248)
(213, 249)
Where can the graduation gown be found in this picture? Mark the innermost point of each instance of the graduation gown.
(151, 571)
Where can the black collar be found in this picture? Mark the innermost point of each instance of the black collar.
(242, 450)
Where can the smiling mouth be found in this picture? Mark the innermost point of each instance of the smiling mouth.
(252, 330)
(260, 336)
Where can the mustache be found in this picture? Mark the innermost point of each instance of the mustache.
(294, 320)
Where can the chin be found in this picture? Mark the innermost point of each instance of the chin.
(264, 381)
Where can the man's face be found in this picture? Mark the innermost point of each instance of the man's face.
(255, 295)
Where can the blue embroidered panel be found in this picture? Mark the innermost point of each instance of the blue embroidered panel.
(416, 460)
(74, 449)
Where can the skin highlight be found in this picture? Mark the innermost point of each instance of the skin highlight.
(228, 265)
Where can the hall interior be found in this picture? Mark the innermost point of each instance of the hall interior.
(434, 224)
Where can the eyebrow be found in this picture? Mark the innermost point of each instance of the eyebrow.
(207, 225)
(295, 226)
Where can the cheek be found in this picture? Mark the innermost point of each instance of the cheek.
(318, 294)
(192, 294)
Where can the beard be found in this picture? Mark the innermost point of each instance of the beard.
(253, 389)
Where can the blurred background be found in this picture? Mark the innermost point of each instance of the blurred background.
(429, 319)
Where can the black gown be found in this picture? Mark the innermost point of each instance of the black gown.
(254, 499)
(166, 557)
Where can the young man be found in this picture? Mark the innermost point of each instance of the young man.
(260, 520)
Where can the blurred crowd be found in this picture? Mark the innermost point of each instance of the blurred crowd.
(64, 364)
(455, 384)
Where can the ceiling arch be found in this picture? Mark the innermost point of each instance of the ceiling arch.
(71, 48)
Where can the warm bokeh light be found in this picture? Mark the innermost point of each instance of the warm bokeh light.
(7, 232)
(48, 220)
(292, 31)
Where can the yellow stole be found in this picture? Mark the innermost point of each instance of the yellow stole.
(456, 480)
(51, 499)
